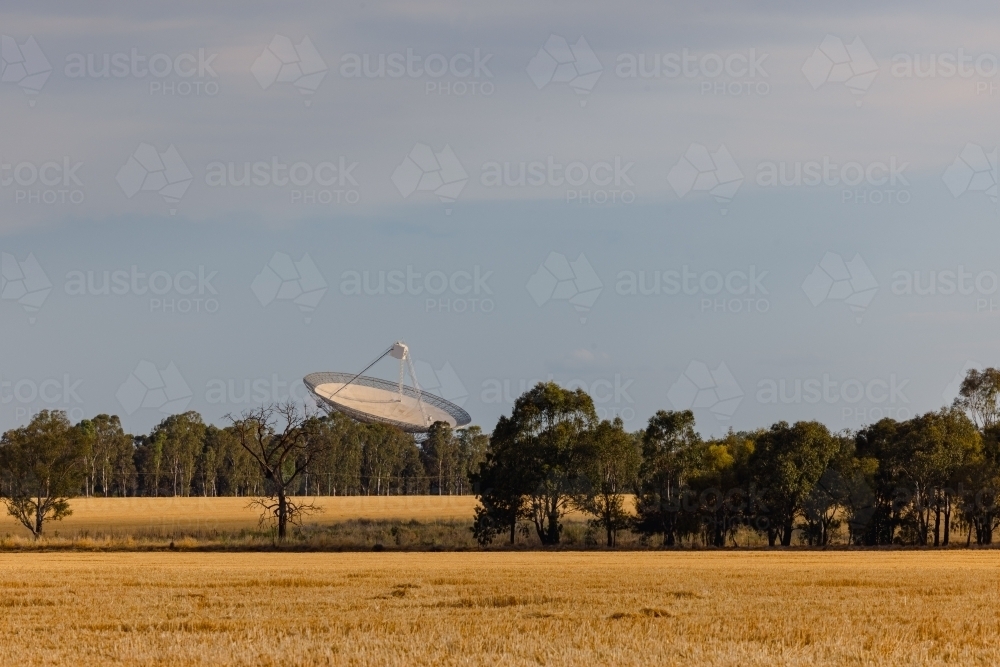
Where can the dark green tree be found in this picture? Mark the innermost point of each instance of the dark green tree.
(538, 455)
(879, 446)
(935, 446)
(42, 467)
(978, 489)
(669, 446)
(611, 472)
(501, 484)
(716, 490)
(787, 463)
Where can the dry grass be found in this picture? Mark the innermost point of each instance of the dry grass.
(345, 522)
(202, 515)
(639, 608)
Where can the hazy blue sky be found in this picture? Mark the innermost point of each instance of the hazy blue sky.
(807, 198)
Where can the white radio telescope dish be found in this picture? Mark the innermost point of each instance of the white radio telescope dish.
(373, 400)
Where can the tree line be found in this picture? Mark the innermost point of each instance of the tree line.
(183, 456)
(276, 451)
(920, 481)
(893, 482)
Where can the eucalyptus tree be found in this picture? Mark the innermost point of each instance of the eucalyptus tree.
(669, 446)
(979, 396)
(787, 463)
(41, 468)
(611, 472)
(536, 463)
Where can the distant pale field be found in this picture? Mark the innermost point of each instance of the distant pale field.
(199, 514)
(562, 608)
(132, 515)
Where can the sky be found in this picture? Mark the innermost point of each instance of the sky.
(777, 212)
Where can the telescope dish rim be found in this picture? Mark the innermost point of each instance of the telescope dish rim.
(312, 381)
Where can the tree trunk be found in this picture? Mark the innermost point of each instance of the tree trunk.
(38, 519)
(282, 514)
(786, 533)
(549, 534)
(947, 520)
(552, 532)
(937, 523)
(923, 519)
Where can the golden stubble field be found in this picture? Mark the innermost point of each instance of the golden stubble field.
(198, 515)
(561, 608)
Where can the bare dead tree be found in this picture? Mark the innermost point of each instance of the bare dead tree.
(278, 438)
